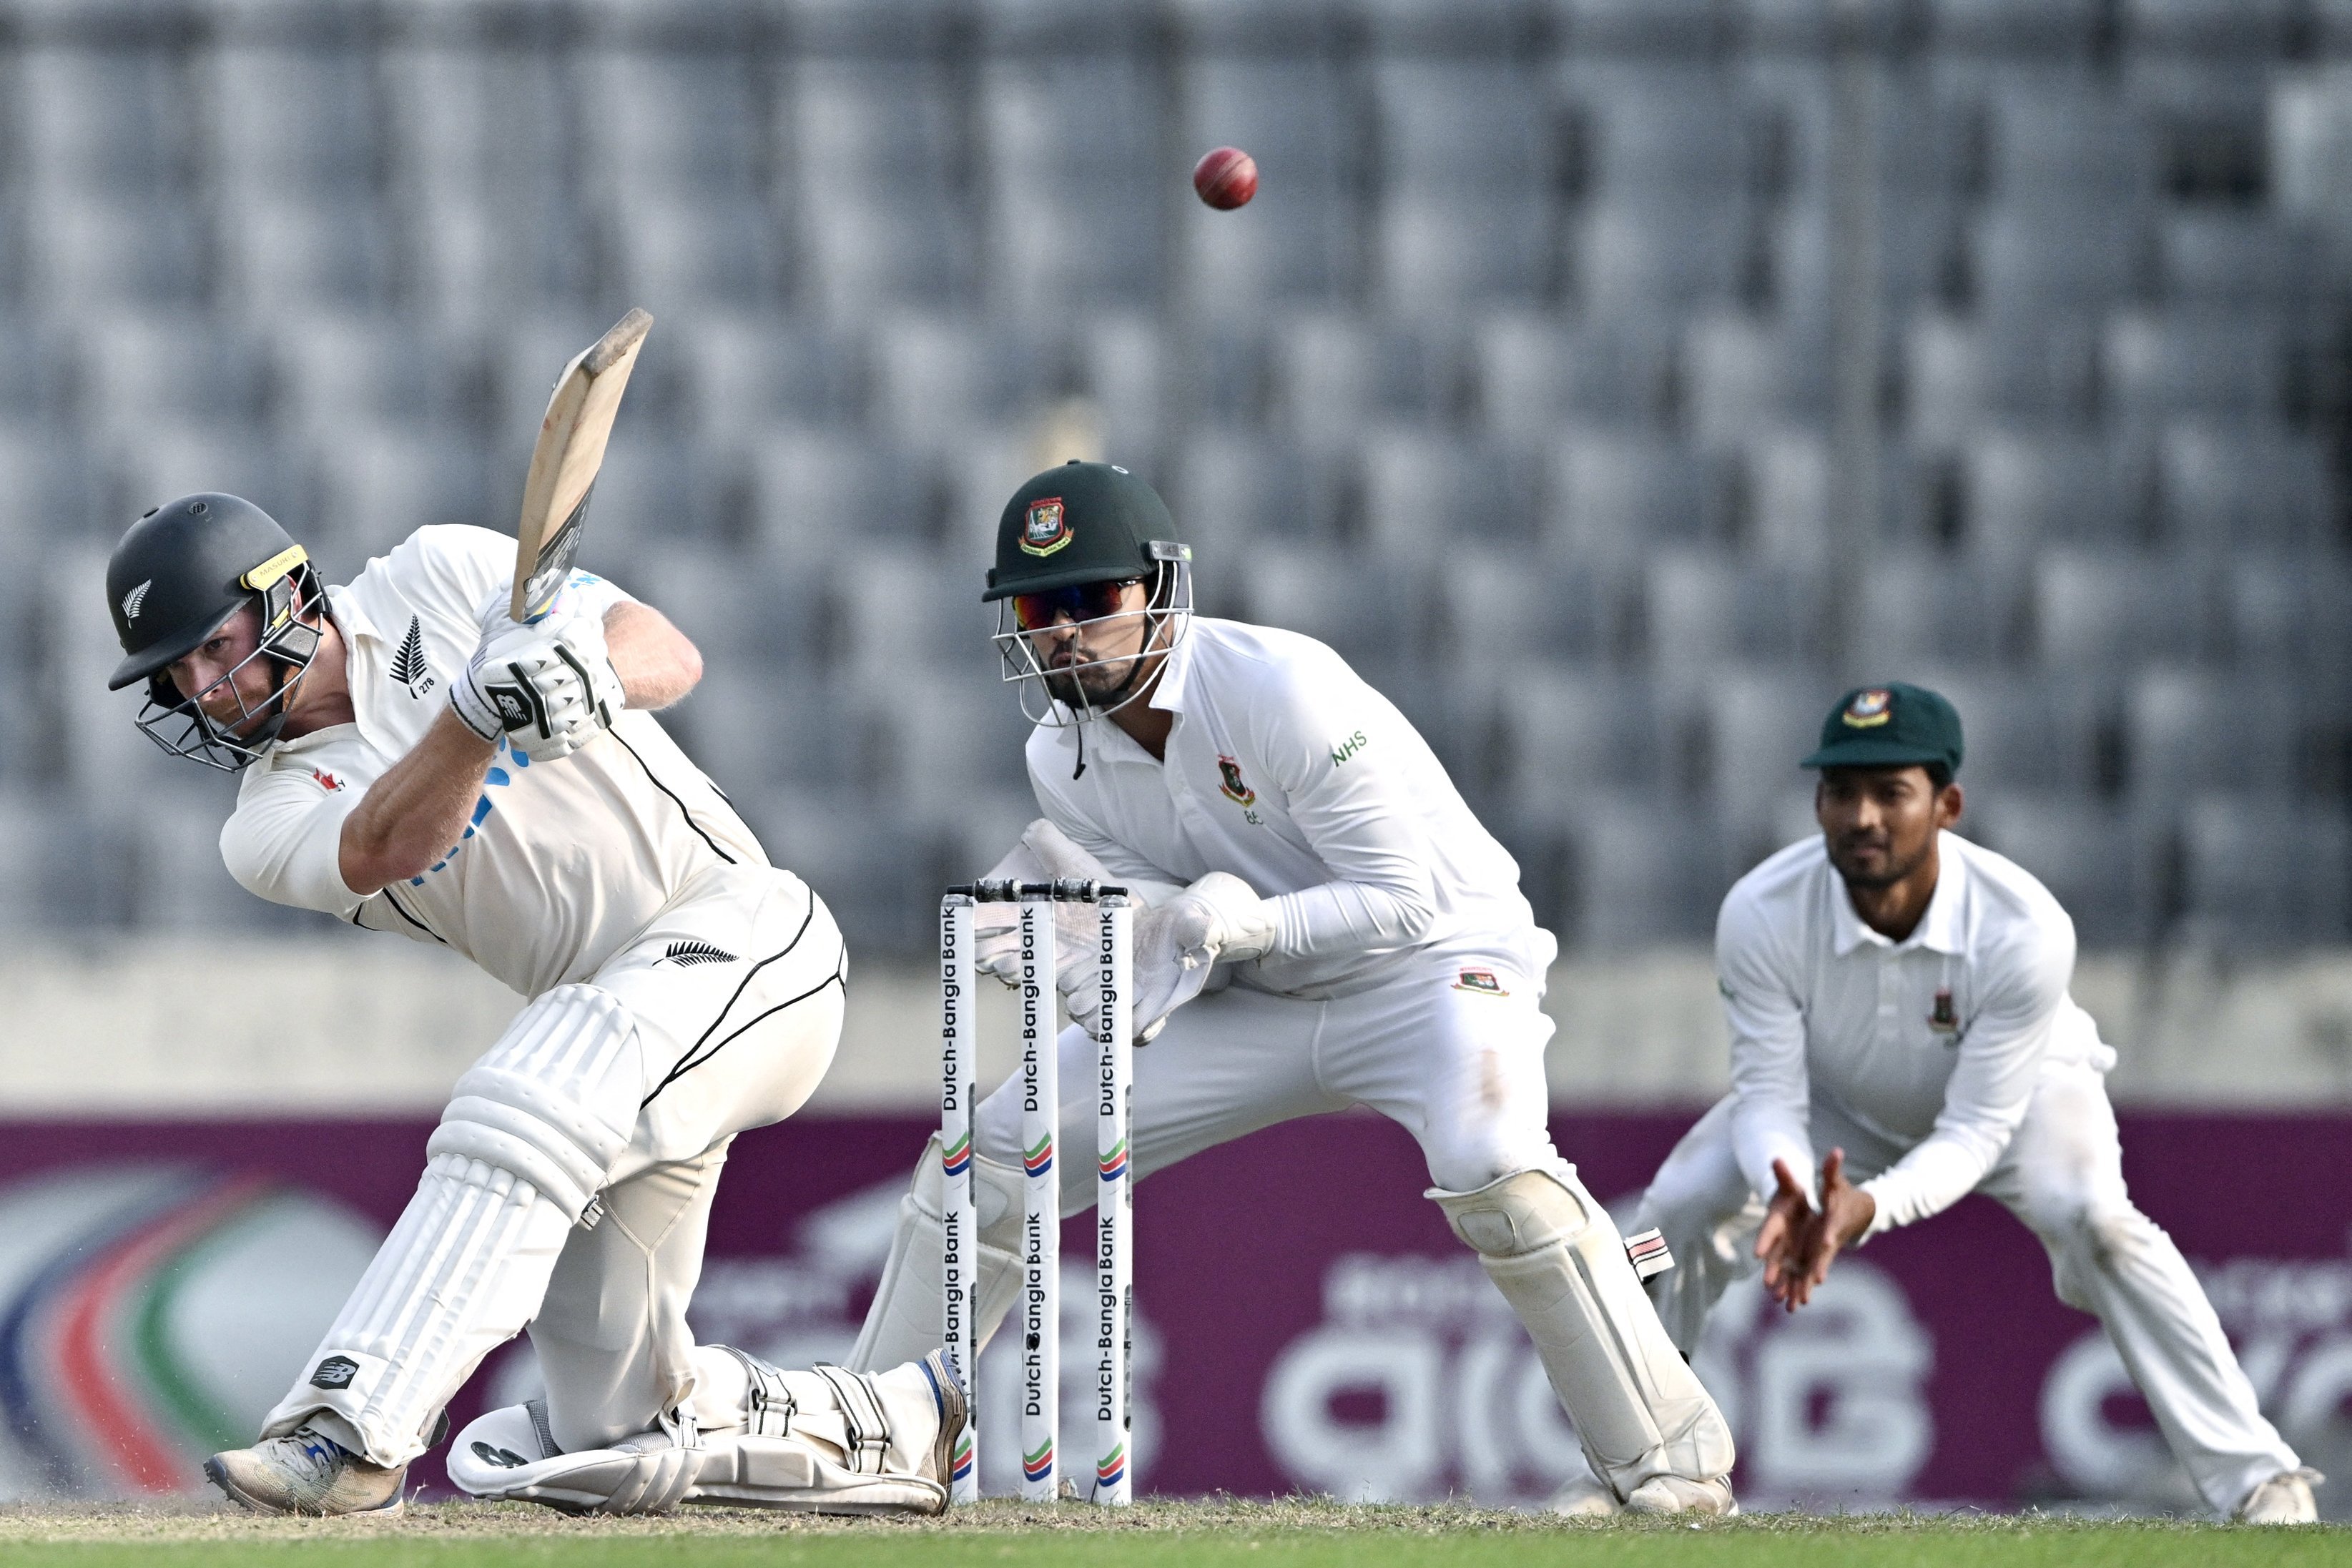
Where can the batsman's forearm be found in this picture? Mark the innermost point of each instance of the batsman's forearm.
(656, 664)
(412, 815)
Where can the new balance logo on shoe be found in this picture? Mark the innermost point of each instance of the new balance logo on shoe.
(504, 1458)
(686, 954)
(335, 1372)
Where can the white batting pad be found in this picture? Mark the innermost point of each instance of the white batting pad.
(522, 1148)
(1556, 1255)
(903, 1324)
(509, 1455)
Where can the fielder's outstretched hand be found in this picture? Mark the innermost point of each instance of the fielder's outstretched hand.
(1799, 1243)
(1781, 1243)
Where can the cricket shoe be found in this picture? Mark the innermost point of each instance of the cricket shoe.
(1585, 1496)
(308, 1474)
(2284, 1499)
(953, 1417)
(1679, 1495)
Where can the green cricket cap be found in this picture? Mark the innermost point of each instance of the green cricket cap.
(1893, 726)
(1081, 522)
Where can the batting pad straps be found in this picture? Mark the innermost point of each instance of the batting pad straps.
(869, 1430)
(554, 1100)
(768, 1405)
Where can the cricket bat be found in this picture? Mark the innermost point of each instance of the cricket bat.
(563, 465)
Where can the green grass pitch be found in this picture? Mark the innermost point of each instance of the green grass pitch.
(1301, 1534)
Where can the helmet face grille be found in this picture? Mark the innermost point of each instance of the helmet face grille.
(289, 640)
(1046, 697)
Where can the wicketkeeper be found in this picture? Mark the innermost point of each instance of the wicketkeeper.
(1327, 924)
(412, 760)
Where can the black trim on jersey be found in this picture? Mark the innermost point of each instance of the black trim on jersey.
(696, 1056)
(682, 812)
(404, 914)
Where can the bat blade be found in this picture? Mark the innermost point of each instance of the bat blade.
(564, 464)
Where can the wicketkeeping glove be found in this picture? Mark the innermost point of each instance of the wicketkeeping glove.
(551, 686)
(1218, 919)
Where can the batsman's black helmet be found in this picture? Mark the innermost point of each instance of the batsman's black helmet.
(1082, 522)
(183, 568)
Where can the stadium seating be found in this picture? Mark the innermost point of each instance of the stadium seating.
(1519, 383)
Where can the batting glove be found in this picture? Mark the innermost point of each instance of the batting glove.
(551, 691)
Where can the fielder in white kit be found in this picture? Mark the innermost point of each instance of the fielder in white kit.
(1897, 997)
(412, 760)
(1299, 855)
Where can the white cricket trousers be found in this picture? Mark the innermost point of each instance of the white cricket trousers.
(568, 1189)
(2062, 1175)
(1457, 1064)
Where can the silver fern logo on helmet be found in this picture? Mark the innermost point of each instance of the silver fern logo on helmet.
(134, 599)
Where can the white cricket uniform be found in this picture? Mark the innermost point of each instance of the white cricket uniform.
(1408, 971)
(1950, 1062)
(682, 990)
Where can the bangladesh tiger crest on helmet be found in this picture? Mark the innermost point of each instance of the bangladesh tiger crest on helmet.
(1046, 528)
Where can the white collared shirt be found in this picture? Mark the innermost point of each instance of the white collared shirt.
(1935, 1042)
(561, 863)
(1286, 769)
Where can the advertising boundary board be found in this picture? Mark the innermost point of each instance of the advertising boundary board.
(1306, 1322)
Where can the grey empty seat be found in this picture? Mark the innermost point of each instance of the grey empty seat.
(1071, 144)
(2113, 608)
(2023, 489)
(695, 255)
(673, 123)
(2201, 29)
(1332, 372)
(1669, 127)
(2226, 488)
(2264, 871)
(870, 155)
(277, 255)
(93, 119)
(2187, 731)
(2055, 254)
(2291, 616)
(1919, 608)
(1534, 375)
(293, 119)
(2227, 365)
(1706, 607)
(1564, 733)
(756, 621)
(376, 484)
(1636, 257)
(933, 375)
(1427, 496)
(1447, 249)
(490, 125)
(477, 264)
(2022, 26)
(1633, 871)
(945, 741)
(2096, 859)
(2064, 141)
(1638, 26)
(741, 374)
(1616, 496)
(2036, 733)
(1760, 722)
(1743, 377)
(1492, 612)
(136, 366)
(1783, 508)
(808, 492)
(2206, 259)
(91, 255)
(1231, 488)
(1329, 592)
(1962, 376)
(894, 614)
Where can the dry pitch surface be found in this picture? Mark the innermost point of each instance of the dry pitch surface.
(1228, 1534)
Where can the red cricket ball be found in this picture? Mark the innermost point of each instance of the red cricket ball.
(1225, 178)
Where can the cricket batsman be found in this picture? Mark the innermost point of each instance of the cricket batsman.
(412, 760)
(1897, 998)
(1325, 924)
